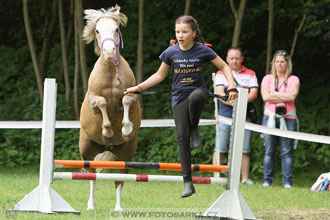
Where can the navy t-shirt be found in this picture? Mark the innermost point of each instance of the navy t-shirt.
(187, 68)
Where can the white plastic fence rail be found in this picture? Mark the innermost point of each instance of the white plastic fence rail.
(148, 123)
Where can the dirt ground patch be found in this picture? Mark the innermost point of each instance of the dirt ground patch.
(321, 214)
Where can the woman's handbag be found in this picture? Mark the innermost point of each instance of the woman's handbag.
(252, 111)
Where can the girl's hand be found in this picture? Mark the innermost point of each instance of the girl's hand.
(232, 93)
(131, 91)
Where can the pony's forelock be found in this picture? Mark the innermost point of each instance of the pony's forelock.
(93, 16)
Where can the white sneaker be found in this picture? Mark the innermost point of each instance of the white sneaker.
(247, 181)
(265, 184)
(288, 186)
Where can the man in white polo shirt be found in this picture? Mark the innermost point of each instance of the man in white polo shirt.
(244, 78)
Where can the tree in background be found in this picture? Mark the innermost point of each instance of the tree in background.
(68, 37)
(47, 35)
(32, 49)
(64, 54)
(82, 53)
(270, 34)
(139, 68)
(187, 8)
(297, 31)
(238, 15)
(77, 61)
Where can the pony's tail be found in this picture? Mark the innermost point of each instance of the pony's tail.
(105, 156)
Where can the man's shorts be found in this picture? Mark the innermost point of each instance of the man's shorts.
(224, 138)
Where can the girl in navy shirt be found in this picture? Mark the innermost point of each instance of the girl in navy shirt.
(186, 60)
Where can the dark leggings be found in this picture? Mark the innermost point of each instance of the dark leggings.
(186, 115)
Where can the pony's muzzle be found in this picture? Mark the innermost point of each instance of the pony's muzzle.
(109, 53)
(108, 49)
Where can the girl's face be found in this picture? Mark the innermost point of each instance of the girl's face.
(184, 35)
(280, 64)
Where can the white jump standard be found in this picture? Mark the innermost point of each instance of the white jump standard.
(231, 203)
(43, 198)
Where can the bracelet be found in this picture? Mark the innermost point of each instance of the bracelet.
(141, 89)
(231, 90)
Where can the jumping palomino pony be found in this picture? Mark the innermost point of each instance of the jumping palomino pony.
(109, 120)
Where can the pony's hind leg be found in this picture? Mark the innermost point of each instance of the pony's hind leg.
(119, 185)
(91, 201)
(127, 124)
(124, 152)
(88, 150)
(97, 104)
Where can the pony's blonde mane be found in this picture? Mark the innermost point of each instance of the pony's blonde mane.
(93, 16)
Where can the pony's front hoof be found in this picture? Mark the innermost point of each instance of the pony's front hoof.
(106, 132)
(127, 129)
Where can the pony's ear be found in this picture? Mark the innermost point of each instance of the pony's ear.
(115, 10)
(122, 19)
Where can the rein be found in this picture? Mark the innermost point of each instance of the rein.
(116, 62)
(224, 98)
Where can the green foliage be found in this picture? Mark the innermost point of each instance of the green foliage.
(315, 121)
(317, 21)
(157, 145)
(204, 155)
(256, 155)
(66, 144)
(19, 147)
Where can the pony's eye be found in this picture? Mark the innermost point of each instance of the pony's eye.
(96, 31)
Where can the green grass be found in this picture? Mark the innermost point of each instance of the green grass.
(163, 199)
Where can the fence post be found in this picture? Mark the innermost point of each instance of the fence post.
(43, 198)
(231, 204)
(217, 140)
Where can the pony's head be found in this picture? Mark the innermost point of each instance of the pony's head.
(103, 27)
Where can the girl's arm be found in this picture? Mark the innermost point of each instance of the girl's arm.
(154, 79)
(276, 97)
(222, 65)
